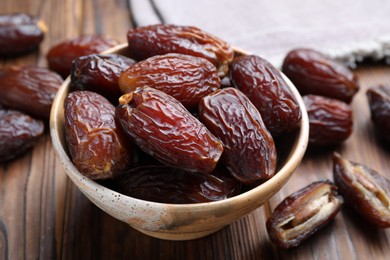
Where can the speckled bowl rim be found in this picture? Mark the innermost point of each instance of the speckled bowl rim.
(271, 186)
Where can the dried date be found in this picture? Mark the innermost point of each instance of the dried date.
(98, 148)
(264, 85)
(364, 189)
(20, 33)
(249, 149)
(330, 120)
(148, 41)
(166, 184)
(163, 128)
(303, 213)
(29, 89)
(186, 78)
(18, 133)
(314, 73)
(99, 73)
(379, 102)
(61, 55)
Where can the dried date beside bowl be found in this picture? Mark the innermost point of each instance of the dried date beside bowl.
(179, 221)
(20, 33)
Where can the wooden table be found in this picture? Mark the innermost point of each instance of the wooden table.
(44, 216)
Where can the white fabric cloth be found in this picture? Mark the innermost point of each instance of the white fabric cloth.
(345, 29)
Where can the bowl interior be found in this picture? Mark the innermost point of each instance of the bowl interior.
(179, 221)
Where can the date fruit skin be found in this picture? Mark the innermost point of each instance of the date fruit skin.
(163, 128)
(61, 55)
(165, 184)
(98, 147)
(330, 120)
(303, 213)
(249, 149)
(29, 89)
(186, 78)
(19, 33)
(18, 133)
(379, 102)
(152, 40)
(364, 189)
(314, 73)
(99, 73)
(264, 85)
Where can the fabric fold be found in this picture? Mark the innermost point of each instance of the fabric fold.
(349, 30)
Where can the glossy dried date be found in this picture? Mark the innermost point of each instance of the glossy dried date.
(163, 128)
(186, 78)
(29, 89)
(61, 55)
(364, 189)
(166, 184)
(99, 73)
(20, 33)
(249, 149)
(303, 213)
(379, 101)
(98, 147)
(330, 120)
(264, 85)
(148, 41)
(18, 133)
(314, 73)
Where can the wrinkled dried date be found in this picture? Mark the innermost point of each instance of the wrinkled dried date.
(162, 127)
(19, 33)
(29, 89)
(249, 149)
(186, 78)
(166, 184)
(99, 73)
(98, 147)
(364, 189)
(60, 56)
(330, 120)
(314, 73)
(264, 85)
(148, 41)
(303, 213)
(379, 101)
(18, 132)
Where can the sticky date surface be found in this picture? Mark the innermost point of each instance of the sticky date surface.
(29, 89)
(97, 146)
(303, 213)
(148, 41)
(364, 189)
(330, 120)
(19, 33)
(61, 55)
(249, 149)
(379, 102)
(173, 185)
(18, 133)
(99, 73)
(186, 78)
(263, 84)
(163, 128)
(314, 73)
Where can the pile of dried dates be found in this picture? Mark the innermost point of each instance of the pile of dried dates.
(182, 118)
(327, 88)
(160, 122)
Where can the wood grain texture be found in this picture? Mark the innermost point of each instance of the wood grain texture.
(44, 216)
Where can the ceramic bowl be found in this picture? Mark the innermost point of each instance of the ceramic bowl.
(179, 221)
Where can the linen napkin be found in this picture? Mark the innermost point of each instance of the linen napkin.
(349, 30)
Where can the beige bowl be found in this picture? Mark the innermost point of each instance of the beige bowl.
(174, 221)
